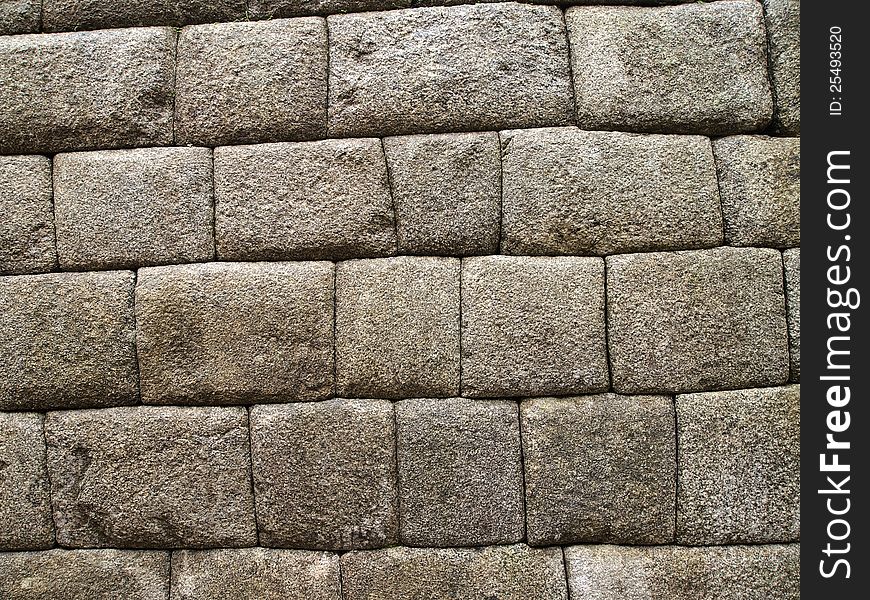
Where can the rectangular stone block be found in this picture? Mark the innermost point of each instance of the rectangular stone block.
(235, 333)
(151, 477)
(86, 90)
(568, 191)
(131, 208)
(696, 320)
(325, 474)
(74, 15)
(533, 326)
(272, 9)
(791, 260)
(322, 200)
(240, 83)
(19, 16)
(465, 68)
(67, 341)
(27, 227)
(783, 19)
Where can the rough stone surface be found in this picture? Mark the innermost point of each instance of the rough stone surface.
(692, 68)
(129, 208)
(151, 477)
(325, 474)
(533, 326)
(397, 327)
(72, 15)
(269, 9)
(464, 68)
(67, 341)
(27, 226)
(308, 201)
(19, 16)
(784, 46)
(241, 83)
(696, 320)
(460, 472)
(792, 261)
(759, 182)
(447, 192)
(568, 191)
(739, 466)
(86, 90)
(599, 469)
(233, 333)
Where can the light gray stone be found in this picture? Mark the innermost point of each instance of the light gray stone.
(460, 472)
(568, 191)
(791, 260)
(27, 227)
(151, 477)
(235, 333)
(131, 208)
(270, 9)
(325, 474)
(696, 320)
(19, 16)
(67, 341)
(397, 327)
(692, 68)
(303, 201)
(464, 68)
(783, 19)
(533, 326)
(241, 83)
(73, 15)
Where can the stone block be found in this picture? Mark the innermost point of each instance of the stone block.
(272, 9)
(783, 19)
(19, 16)
(27, 227)
(73, 15)
(791, 260)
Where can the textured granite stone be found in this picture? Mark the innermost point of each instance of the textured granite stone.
(129, 208)
(234, 333)
(447, 192)
(460, 472)
(568, 191)
(692, 68)
(465, 68)
(314, 200)
(533, 326)
(270, 9)
(696, 320)
(27, 226)
(67, 341)
(19, 16)
(151, 477)
(791, 260)
(397, 327)
(783, 19)
(241, 83)
(72, 15)
(325, 474)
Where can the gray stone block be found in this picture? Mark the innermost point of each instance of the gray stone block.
(27, 227)
(791, 260)
(447, 192)
(692, 68)
(696, 320)
(67, 341)
(131, 208)
(460, 472)
(241, 83)
(303, 201)
(19, 16)
(533, 326)
(86, 90)
(783, 19)
(568, 191)
(235, 333)
(151, 477)
(73, 15)
(599, 469)
(739, 466)
(325, 474)
(397, 327)
(465, 68)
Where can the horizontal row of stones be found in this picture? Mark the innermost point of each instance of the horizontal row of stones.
(348, 474)
(463, 68)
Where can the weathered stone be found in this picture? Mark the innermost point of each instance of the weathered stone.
(19, 16)
(325, 474)
(129, 208)
(72, 15)
(271, 9)
(696, 320)
(242, 83)
(67, 341)
(464, 68)
(693, 68)
(533, 326)
(447, 192)
(27, 227)
(397, 327)
(314, 200)
(568, 191)
(460, 472)
(791, 260)
(233, 333)
(86, 90)
(151, 477)
(739, 466)
(784, 46)
(759, 182)
(599, 469)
